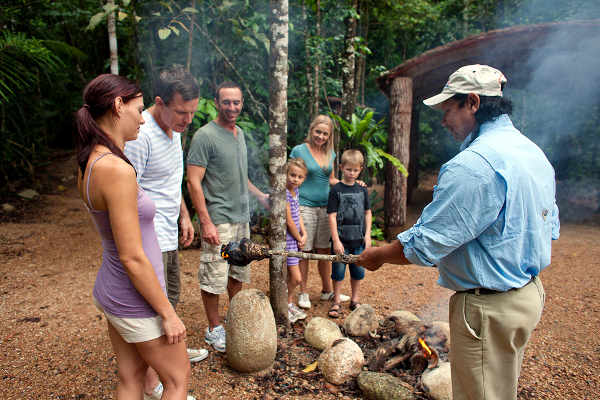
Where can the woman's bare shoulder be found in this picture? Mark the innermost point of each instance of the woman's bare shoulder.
(114, 167)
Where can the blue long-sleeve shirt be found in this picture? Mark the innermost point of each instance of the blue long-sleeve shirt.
(493, 215)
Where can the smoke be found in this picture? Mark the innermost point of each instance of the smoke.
(559, 106)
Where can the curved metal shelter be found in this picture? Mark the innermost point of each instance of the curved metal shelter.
(516, 51)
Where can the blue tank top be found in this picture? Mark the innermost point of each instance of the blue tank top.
(113, 288)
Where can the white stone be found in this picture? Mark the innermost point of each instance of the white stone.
(8, 208)
(321, 332)
(342, 361)
(404, 315)
(361, 321)
(251, 332)
(441, 327)
(438, 382)
(28, 194)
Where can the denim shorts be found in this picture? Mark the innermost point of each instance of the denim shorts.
(338, 269)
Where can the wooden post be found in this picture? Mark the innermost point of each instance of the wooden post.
(401, 98)
(413, 167)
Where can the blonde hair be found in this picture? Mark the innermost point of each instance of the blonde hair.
(298, 163)
(322, 119)
(352, 156)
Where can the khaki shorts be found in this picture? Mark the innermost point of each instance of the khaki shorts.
(135, 330)
(316, 223)
(214, 271)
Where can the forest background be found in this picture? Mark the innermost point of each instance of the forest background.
(49, 50)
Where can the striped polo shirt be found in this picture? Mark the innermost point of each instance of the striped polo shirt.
(158, 161)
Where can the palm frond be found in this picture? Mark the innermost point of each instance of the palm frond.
(22, 60)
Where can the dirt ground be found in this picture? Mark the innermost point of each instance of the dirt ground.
(54, 343)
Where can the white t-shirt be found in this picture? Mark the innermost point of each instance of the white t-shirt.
(158, 161)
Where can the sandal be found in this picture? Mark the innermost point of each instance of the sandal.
(334, 311)
(354, 305)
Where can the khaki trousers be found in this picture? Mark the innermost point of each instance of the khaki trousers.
(489, 333)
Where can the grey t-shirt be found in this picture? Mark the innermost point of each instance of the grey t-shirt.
(225, 182)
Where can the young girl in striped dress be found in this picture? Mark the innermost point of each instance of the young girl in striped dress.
(296, 234)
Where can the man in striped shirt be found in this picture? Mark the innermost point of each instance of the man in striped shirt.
(157, 156)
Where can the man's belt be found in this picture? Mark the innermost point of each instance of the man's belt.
(480, 291)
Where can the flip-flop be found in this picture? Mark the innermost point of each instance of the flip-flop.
(354, 306)
(334, 311)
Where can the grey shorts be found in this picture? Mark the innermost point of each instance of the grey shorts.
(316, 223)
(214, 271)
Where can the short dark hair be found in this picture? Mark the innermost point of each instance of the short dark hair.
(176, 79)
(227, 85)
(490, 107)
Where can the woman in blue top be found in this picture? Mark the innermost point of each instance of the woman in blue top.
(317, 152)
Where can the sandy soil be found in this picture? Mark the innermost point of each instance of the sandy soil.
(54, 344)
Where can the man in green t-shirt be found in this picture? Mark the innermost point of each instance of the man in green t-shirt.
(217, 178)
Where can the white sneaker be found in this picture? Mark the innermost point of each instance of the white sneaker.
(196, 355)
(304, 301)
(216, 338)
(157, 393)
(329, 295)
(294, 313)
(292, 316)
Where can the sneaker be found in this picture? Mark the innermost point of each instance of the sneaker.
(292, 316)
(216, 338)
(299, 313)
(304, 301)
(157, 393)
(196, 355)
(329, 296)
(294, 313)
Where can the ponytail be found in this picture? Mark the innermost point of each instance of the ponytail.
(99, 97)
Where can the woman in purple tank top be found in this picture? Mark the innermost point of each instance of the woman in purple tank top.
(142, 325)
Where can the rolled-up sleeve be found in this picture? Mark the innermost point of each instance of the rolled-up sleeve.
(467, 200)
(555, 223)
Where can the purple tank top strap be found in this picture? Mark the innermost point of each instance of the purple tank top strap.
(87, 186)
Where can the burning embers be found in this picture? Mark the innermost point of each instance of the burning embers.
(414, 350)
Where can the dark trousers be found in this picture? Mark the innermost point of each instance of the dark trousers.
(172, 279)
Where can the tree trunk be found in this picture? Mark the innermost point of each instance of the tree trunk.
(188, 64)
(317, 66)
(401, 95)
(361, 63)
(278, 66)
(349, 68)
(307, 62)
(112, 40)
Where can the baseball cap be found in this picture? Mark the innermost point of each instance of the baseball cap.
(479, 79)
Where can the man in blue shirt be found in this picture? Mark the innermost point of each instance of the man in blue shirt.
(488, 230)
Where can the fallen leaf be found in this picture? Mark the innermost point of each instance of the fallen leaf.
(310, 367)
(332, 388)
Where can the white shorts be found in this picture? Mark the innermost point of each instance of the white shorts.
(135, 330)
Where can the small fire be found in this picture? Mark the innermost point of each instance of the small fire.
(426, 349)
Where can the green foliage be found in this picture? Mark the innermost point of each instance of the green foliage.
(23, 62)
(377, 233)
(363, 133)
(230, 42)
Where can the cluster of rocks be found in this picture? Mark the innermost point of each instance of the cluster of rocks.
(252, 348)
